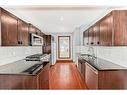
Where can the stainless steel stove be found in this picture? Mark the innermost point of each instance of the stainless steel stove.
(38, 57)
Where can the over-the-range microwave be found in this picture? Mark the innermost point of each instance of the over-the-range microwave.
(36, 40)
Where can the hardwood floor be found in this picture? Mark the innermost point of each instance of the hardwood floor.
(65, 76)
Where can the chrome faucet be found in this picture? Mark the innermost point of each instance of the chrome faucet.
(91, 52)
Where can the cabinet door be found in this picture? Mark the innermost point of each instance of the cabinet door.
(85, 38)
(94, 34)
(91, 77)
(43, 78)
(38, 32)
(48, 41)
(8, 29)
(23, 35)
(102, 32)
(83, 70)
(96, 30)
(44, 40)
(120, 27)
(106, 25)
(79, 66)
(42, 34)
(91, 36)
(47, 49)
(47, 44)
(32, 29)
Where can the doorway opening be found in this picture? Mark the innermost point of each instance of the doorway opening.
(64, 51)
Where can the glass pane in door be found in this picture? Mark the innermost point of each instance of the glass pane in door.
(64, 46)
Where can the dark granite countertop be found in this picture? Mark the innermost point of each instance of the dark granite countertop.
(101, 64)
(24, 67)
(16, 68)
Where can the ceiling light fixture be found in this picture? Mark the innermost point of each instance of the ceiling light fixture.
(61, 18)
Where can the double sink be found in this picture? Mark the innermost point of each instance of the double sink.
(88, 58)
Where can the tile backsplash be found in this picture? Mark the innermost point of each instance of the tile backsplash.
(11, 54)
(116, 54)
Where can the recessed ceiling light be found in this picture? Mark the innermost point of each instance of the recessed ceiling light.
(61, 18)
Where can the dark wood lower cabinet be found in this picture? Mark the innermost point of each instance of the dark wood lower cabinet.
(17, 82)
(83, 70)
(113, 79)
(79, 66)
(102, 79)
(21, 81)
(43, 78)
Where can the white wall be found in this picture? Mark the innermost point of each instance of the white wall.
(11, 54)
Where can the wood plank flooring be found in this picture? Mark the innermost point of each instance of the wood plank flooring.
(65, 76)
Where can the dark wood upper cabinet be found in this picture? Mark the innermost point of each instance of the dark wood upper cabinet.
(32, 29)
(86, 37)
(120, 27)
(111, 30)
(106, 33)
(38, 32)
(47, 39)
(47, 44)
(35, 30)
(91, 36)
(96, 29)
(14, 31)
(23, 34)
(8, 29)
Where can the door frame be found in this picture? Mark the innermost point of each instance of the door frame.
(69, 48)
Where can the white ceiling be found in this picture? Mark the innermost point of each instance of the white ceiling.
(57, 19)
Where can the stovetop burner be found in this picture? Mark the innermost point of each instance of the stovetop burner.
(38, 57)
(35, 56)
